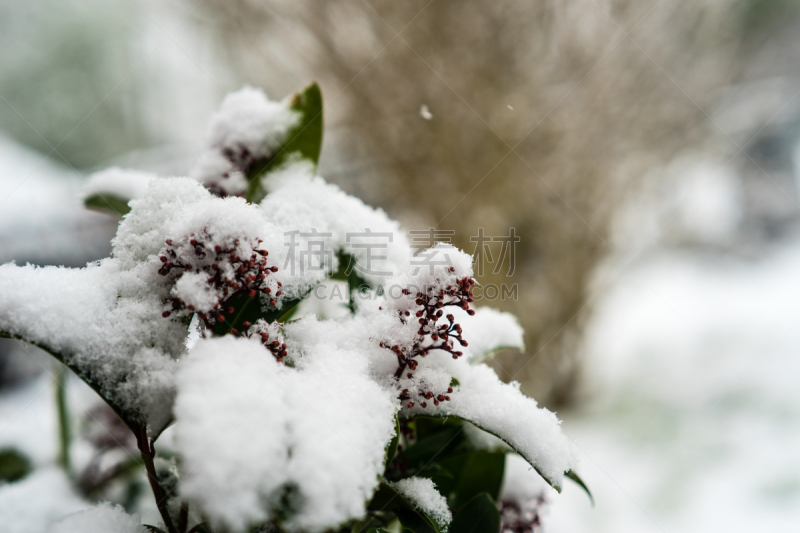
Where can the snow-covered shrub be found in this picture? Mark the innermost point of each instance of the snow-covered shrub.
(299, 423)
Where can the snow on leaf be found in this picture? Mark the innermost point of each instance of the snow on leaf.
(102, 322)
(251, 136)
(105, 320)
(488, 332)
(378, 243)
(303, 141)
(110, 190)
(303, 446)
(502, 410)
(422, 493)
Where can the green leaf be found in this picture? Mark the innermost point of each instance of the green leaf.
(476, 472)
(574, 477)
(306, 138)
(479, 515)
(549, 481)
(13, 465)
(445, 474)
(414, 521)
(387, 499)
(436, 472)
(251, 309)
(64, 428)
(391, 448)
(109, 204)
(304, 141)
(347, 272)
(133, 419)
(376, 530)
(433, 448)
(152, 529)
(425, 426)
(489, 354)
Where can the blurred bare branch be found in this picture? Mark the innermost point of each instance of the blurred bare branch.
(545, 117)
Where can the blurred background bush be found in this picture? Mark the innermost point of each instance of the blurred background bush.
(629, 143)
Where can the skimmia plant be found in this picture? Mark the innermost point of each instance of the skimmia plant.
(383, 419)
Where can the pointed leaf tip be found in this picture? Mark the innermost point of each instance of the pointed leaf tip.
(574, 477)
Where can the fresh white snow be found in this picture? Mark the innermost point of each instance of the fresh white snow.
(422, 493)
(104, 518)
(259, 439)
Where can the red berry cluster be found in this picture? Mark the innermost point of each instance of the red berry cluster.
(228, 274)
(521, 518)
(432, 335)
(261, 330)
(426, 395)
(242, 160)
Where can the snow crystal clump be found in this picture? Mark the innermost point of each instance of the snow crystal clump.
(305, 442)
(248, 129)
(422, 493)
(106, 320)
(437, 267)
(377, 242)
(105, 518)
(248, 119)
(102, 322)
(119, 182)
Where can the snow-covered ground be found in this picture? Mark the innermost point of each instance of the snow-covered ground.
(42, 218)
(693, 421)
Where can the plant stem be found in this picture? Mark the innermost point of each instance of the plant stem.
(183, 519)
(148, 451)
(64, 433)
